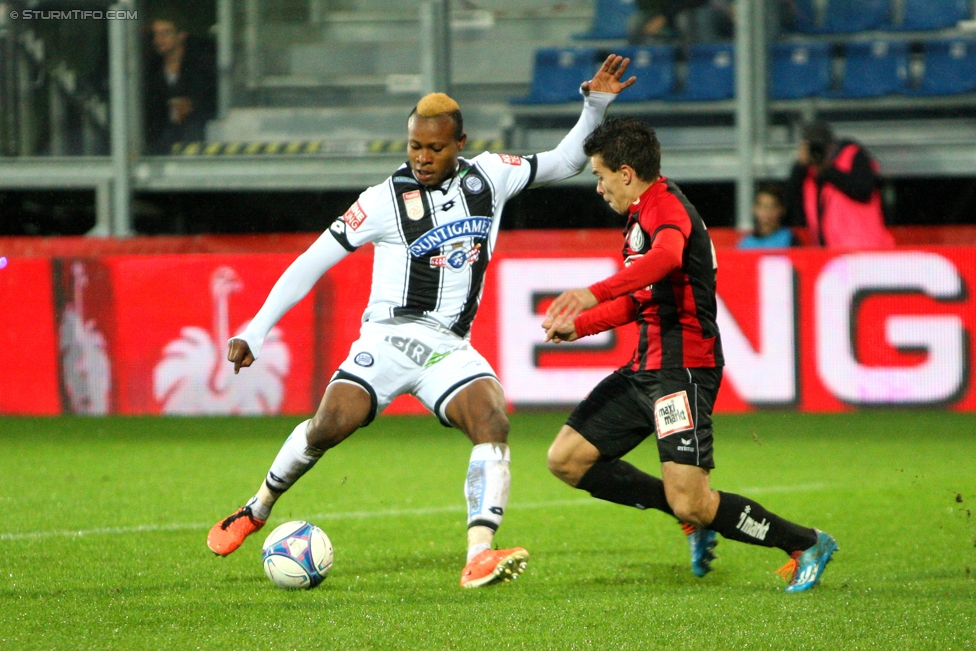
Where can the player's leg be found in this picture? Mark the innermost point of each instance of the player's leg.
(684, 417)
(344, 408)
(479, 410)
(586, 453)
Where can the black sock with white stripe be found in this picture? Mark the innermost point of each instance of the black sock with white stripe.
(739, 518)
(621, 483)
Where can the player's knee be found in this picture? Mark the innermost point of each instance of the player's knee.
(329, 427)
(491, 428)
(562, 465)
(688, 509)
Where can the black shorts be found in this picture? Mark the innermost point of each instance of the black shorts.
(628, 406)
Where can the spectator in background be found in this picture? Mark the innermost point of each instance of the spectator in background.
(181, 85)
(834, 190)
(768, 210)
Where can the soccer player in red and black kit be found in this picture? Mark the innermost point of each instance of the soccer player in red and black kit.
(669, 386)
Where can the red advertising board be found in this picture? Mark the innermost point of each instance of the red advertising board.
(805, 328)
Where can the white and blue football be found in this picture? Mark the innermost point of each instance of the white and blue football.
(297, 555)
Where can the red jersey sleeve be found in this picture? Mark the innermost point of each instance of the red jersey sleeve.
(663, 258)
(605, 316)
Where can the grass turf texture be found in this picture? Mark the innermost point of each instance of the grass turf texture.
(895, 488)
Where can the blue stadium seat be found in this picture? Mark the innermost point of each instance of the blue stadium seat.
(857, 15)
(799, 70)
(950, 67)
(654, 67)
(875, 68)
(934, 14)
(711, 73)
(610, 19)
(558, 74)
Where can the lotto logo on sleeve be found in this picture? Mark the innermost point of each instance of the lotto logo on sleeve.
(508, 159)
(355, 216)
(672, 414)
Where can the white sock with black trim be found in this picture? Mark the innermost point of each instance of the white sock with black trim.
(487, 484)
(294, 459)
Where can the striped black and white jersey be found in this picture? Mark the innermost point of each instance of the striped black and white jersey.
(433, 244)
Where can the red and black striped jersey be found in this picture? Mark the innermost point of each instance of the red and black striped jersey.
(675, 315)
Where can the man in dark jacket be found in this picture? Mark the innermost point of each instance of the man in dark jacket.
(181, 86)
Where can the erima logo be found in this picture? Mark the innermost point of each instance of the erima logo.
(685, 441)
(750, 527)
(441, 235)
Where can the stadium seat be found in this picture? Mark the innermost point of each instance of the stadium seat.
(857, 15)
(558, 74)
(874, 68)
(610, 19)
(711, 73)
(950, 67)
(934, 14)
(799, 70)
(654, 67)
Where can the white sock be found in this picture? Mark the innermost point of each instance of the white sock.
(487, 484)
(294, 459)
(474, 550)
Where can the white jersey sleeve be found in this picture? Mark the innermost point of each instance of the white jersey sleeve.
(568, 159)
(297, 281)
(365, 221)
(509, 173)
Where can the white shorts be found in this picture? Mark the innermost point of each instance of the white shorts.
(403, 356)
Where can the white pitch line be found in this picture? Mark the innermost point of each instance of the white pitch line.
(354, 515)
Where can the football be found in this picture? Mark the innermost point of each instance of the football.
(297, 555)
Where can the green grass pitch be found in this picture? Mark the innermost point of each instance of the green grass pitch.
(103, 523)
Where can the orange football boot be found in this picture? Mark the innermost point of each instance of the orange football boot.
(228, 534)
(494, 566)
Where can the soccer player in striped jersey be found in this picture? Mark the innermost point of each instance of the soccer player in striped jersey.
(433, 225)
(668, 388)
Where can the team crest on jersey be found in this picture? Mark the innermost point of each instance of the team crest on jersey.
(474, 184)
(672, 414)
(355, 216)
(458, 257)
(636, 238)
(414, 204)
(508, 159)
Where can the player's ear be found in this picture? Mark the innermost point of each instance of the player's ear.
(462, 141)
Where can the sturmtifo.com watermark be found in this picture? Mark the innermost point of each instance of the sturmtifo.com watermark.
(75, 14)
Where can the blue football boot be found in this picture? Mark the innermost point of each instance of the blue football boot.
(804, 569)
(702, 543)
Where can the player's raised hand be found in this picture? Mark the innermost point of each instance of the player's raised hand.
(607, 78)
(240, 353)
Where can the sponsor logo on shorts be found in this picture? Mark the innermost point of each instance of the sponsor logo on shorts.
(355, 216)
(508, 159)
(418, 352)
(414, 204)
(474, 184)
(672, 414)
(363, 359)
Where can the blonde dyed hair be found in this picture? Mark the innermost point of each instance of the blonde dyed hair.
(435, 105)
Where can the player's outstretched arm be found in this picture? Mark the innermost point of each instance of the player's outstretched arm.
(297, 281)
(568, 159)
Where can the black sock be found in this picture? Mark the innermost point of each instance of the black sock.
(621, 483)
(739, 518)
